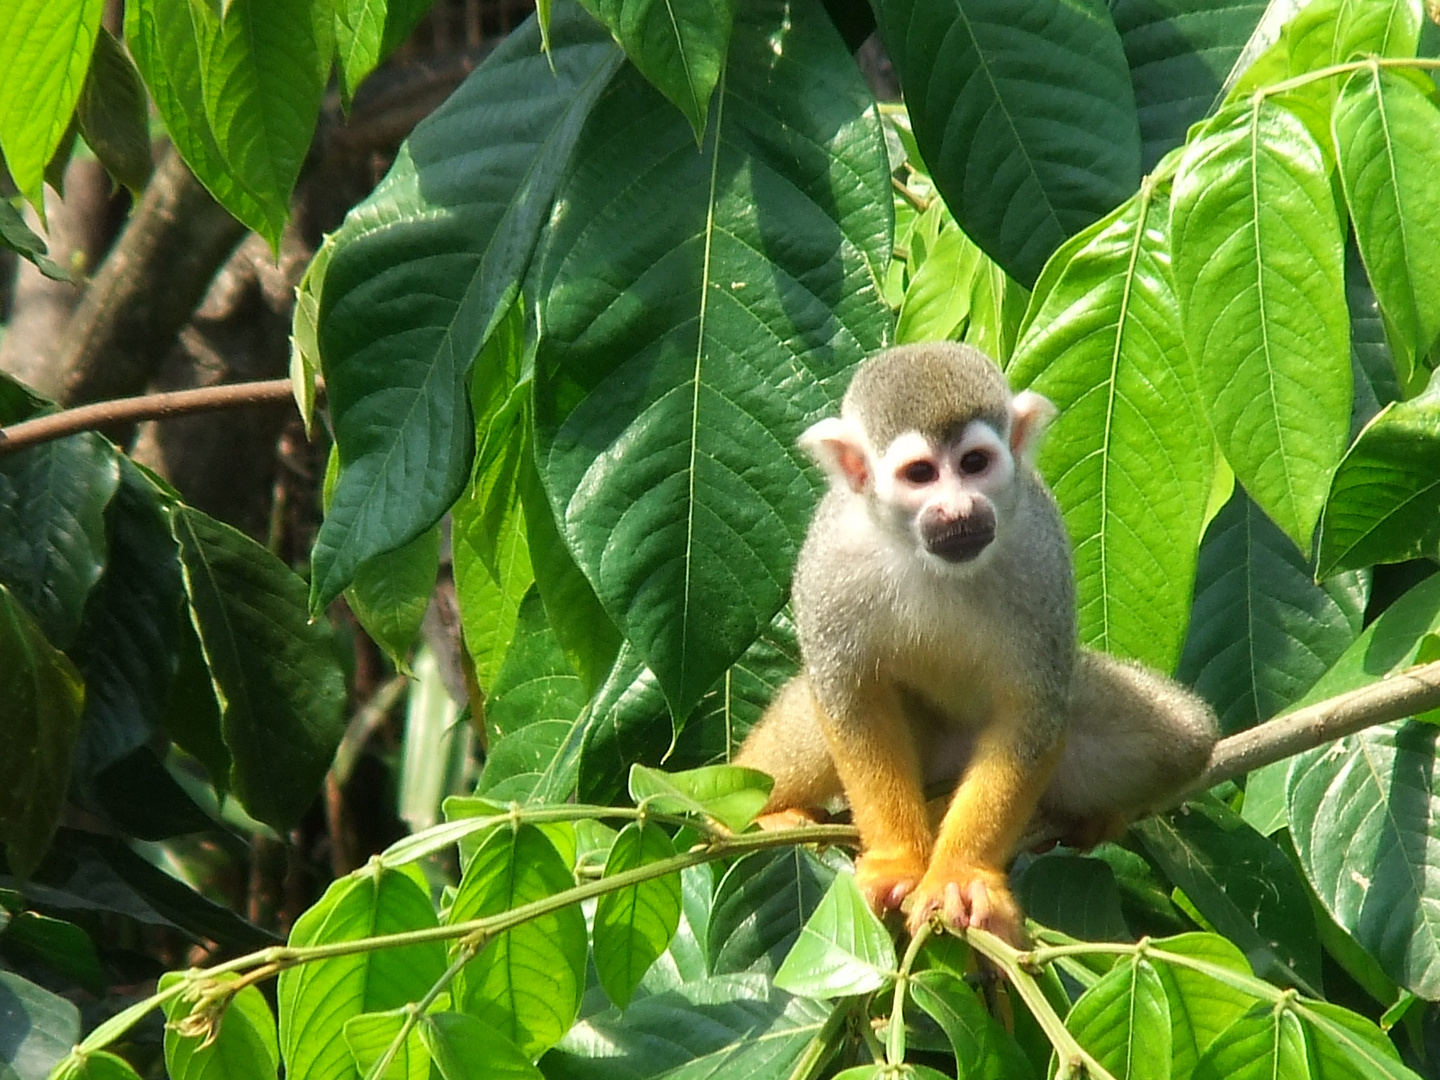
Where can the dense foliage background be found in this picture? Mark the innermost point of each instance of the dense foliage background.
(567, 344)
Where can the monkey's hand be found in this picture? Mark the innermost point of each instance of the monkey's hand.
(967, 896)
(886, 879)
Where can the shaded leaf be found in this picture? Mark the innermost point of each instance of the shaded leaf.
(983, 1049)
(761, 905)
(422, 273)
(1026, 117)
(667, 452)
(1075, 895)
(41, 1028)
(391, 593)
(114, 116)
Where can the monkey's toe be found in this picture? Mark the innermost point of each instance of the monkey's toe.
(792, 818)
(886, 881)
(970, 898)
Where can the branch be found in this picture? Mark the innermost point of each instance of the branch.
(147, 407)
(1403, 694)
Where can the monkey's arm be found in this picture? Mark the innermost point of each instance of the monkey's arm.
(1012, 762)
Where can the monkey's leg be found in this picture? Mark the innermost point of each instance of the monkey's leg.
(788, 744)
(873, 747)
(996, 797)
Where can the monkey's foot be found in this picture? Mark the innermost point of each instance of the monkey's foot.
(967, 896)
(793, 818)
(886, 880)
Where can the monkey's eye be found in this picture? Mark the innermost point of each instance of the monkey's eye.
(919, 472)
(974, 461)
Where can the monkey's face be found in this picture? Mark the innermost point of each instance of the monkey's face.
(947, 495)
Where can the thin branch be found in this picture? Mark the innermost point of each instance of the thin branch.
(1403, 694)
(146, 407)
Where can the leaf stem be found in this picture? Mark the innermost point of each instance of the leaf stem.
(1372, 62)
(895, 1042)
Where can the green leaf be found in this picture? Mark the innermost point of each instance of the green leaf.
(669, 326)
(45, 48)
(263, 76)
(422, 273)
(1025, 116)
(168, 42)
(1263, 1044)
(843, 949)
(391, 592)
(129, 639)
(1075, 895)
(679, 45)
(275, 673)
(488, 539)
(1262, 632)
(634, 925)
(1387, 134)
(526, 983)
(19, 238)
(465, 1048)
(367, 31)
(1242, 882)
(1385, 501)
(983, 1049)
(40, 698)
(52, 527)
(1124, 1020)
(242, 1047)
(317, 999)
(530, 715)
(61, 946)
(369, 1037)
(1259, 269)
(1130, 456)
(1180, 54)
(41, 1028)
(100, 1065)
(730, 795)
(728, 1025)
(937, 300)
(1201, 1007)
(114, 116)
(1345, 1044)
(1375, 789)
(761, 905)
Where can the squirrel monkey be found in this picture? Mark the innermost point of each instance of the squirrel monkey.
(934, 598)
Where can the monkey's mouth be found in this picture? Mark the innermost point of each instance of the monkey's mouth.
(960, 543)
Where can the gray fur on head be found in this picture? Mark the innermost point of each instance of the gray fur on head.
(936, 388)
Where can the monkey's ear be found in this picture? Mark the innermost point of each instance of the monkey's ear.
(837, 447)
(1030, 415)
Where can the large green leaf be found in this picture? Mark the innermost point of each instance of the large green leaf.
(679, 45)
(40, 1029)
(1130, 456)
(1242, 882)
(1201, 1007)
(634, 925)
(843, 948)
(687, 340)
(1375, 789)
(40, 699)
(1385, 502)
(424, 270)
(1025, 114)
(1259, 269)
(1180, 53)
(1263, 1044)
(369, 1037)
(983, 1049)
(275, 673)
(1262, 631)
(530, 716)
(366, 31)
(169, 42)
(1387, 133)
(727, 1025)
(1124, 1020)
(317, 999)
(264, 73)
(465, 1048)
(52, 527)
(527, 982)
(243, 1047)
(45, 48)
(761, 905)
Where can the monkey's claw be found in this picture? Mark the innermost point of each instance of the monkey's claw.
(886, 880)
(973, 897)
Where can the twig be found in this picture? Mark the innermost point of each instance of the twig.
(1403, 694)
(146, 407)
